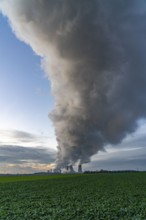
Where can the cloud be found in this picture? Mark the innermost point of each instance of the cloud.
(24, 158)
(24, 152)
(94, 53)
(130, 154)
(24, 168)
(19, 154)
(119, 162)
(22, 138)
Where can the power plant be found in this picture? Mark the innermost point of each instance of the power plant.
(80, 168)
(70, 169)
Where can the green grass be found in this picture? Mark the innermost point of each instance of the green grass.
(74, 197)
(23, 178)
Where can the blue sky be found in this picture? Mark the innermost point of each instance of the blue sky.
(25, 97)
(26, 100)
(24, 90)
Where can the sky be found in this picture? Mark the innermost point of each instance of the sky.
(25, 100)
(27, 139)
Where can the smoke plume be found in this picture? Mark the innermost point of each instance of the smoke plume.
(94, 53)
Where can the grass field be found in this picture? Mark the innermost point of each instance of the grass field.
(75, 197)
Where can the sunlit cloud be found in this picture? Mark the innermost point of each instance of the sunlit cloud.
(21, 138)
(24, 168)
(20, 159)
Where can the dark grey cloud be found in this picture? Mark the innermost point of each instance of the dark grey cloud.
(95, 56)
(20, 155)
(130, 154)
(121, 159)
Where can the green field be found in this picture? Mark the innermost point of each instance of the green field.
(75, 197)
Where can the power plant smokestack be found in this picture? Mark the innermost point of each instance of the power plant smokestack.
(94, 53)
(80, 168)
(71, 169)
(67, 168)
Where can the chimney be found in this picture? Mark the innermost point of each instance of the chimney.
(79, 168)
(71, 169)
(67, 168)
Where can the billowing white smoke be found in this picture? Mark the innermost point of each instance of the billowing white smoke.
(94, 52)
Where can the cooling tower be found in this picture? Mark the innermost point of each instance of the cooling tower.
(79, 168)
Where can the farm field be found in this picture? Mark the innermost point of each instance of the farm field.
(73, 197)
